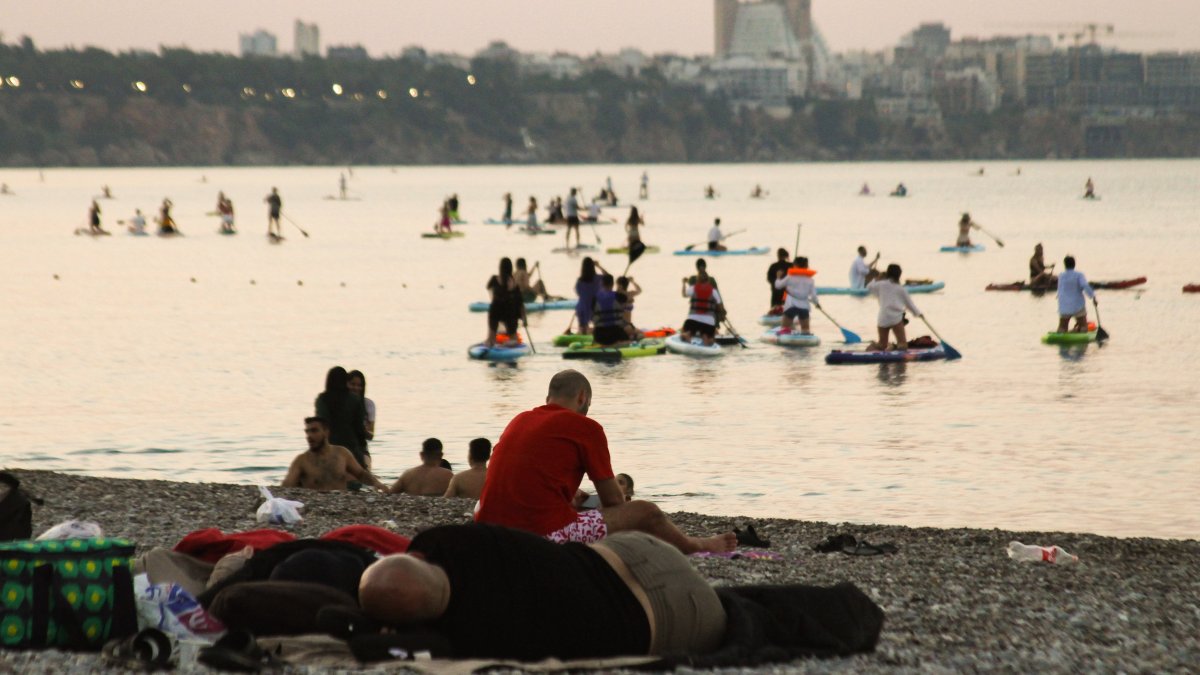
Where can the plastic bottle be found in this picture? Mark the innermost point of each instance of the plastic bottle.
(1050, 554)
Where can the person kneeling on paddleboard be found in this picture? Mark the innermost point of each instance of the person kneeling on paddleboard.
(1072, 286)
(893, 300)
(626, 294)
(797, 283)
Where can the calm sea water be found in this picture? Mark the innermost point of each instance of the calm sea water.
(196, 358)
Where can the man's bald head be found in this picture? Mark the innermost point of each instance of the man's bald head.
(571, 390)
(403, 589)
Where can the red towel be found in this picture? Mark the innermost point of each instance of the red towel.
(210, 545)
(383, 542)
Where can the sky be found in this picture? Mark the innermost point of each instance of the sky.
(577, 26)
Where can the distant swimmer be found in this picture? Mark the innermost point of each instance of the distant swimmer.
(225, 210)
(715, 237)
(275, 207)
(1089, 189)
(965, 225)
(94, 219)
(166, 224)
(342, 186)
(900, 191)
(644, 190)
(799, 290)
(1072, 286)
(453, 204)
(571, 212)
(1040, 276)
(757, 192)
(137, 224)
(710, 192)
(862, 272)
(865, 191)
(893, 301)
(324, 466)
(507, 217)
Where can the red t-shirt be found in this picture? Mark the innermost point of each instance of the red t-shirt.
(537, 466)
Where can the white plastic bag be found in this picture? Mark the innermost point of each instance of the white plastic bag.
(278, 510)
(72, 529)
(171, 609)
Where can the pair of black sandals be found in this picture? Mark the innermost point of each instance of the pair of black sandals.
(151, 649)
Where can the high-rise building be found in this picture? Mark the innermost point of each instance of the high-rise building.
(258, 43)
(307, 41)
(761, 27)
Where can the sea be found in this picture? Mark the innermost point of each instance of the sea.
(196, 358)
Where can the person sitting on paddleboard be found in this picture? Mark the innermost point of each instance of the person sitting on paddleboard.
(507, 217)
(1072, 286)
(137, 224)
(166, 224)
(593, 212)
(609, 315)
(965, 225)
(507, 306)
(530, 292)
(781, 264)
(799, 289)
(893, 300)
(861, 271)
(900, 191)
(628, 288)
(702, 309)
(1040, 276)
(714, 237)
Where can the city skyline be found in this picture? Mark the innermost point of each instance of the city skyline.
(465, 26)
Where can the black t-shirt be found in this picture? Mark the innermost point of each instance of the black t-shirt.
(505, 301)
(516, 595)
(773, 270)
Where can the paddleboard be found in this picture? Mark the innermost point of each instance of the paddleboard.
(529, 306)
(632, 351)
(577, 338)
(1192, 288)
(837, 357)
(1070, 338)
(974, 248)
(500, 353)
(275, 238)
(625, 250)
(1106, 285)
(757, 250)
(693, 347)
(134, 233)
(84, 231)
(573, 249)
(227, 233)
(794, 338)
(167, 235)
(540, 230)
(860, 292)
(493, 221)
(442, 235)
(770, 319)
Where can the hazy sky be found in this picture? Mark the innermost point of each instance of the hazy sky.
(654, 26)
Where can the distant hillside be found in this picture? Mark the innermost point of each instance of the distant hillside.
(87, 109)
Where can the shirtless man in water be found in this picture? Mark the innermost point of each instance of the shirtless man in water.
(427, 479)
(324, 466)
(469, 483)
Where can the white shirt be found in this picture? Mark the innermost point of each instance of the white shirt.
(704, 318)
(893, 300)
(571, 207)
(594, 211)
(139, 223)
(714, 234)
(859, 270)
(799, 290)
(1072, 286)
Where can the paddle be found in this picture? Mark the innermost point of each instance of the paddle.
(951, 352)
(635, 251)
(796, 248)
(692, 246)
(998, 242)
(593, 224)
(734, 332)
(850, 337)
(529, 335)
(297, 226)
(1101, 334)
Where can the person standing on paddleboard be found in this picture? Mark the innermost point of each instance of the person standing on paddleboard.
(94, 219)
(586, 288)
(703, 307)
(571, 211)
(1072, 286)
(893, 300)
(274, 208)
(799, 288)
(508, 305)
(633, 234)
(781, 264)
(507, 217)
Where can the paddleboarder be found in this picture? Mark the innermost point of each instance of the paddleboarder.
(1040, 276)
(862, 272)
(1072, 286)
(274, 208)
(627, 290)
(703, 307)
(225, 210)
(965, 225)
(444, 216)
(507, 217)
(586, 288)
(137, 224)
(453, 204)
(1089, 189)
(799, 289)
(507, 306)
(342, 186)
(166, 224)
(94, 219)
(715, 237)
(633, 234)
(780, 265)
(609, 315)
(531, 291)
(644, 192)
(893, 301)
(571, 212)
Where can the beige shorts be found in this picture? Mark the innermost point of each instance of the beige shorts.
(688, 616)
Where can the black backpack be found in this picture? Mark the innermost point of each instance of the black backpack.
(16, 511)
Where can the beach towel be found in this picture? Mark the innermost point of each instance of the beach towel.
(383, 542)
(211, 544)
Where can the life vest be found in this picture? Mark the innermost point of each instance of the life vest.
(801, 271)
(609, 312)
(702, 299)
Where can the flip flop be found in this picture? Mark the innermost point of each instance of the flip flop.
(867, 548)
(149, 649)
(835, 542)
(750, 538)
(238, 651)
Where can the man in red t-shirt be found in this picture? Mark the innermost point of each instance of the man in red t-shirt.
(537, 466)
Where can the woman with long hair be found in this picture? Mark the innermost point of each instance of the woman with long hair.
(586, 287)
(345, 412)
(356, 382)
(507, 306)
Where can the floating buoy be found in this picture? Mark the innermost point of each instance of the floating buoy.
(343, 284)
(56, 277)
(251, 282)
(193, 280)
(299, 282)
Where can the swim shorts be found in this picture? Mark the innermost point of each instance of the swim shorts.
(607, 335)
(693, 326)
(572, 221)
(588, 528)
(796, 312)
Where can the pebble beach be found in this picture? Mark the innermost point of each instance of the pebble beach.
(953, 600)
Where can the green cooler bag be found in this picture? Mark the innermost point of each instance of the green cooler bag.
(68, 594)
